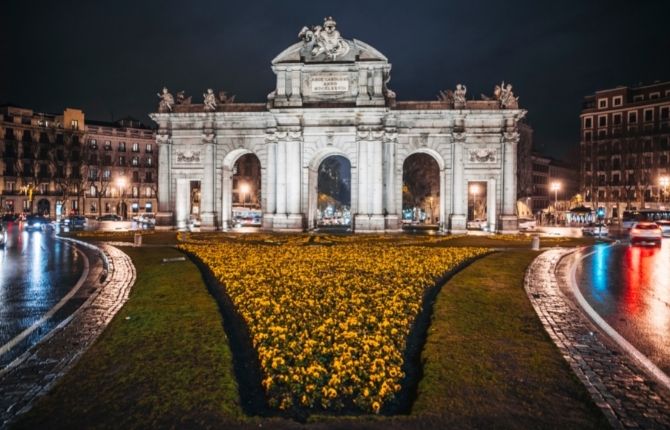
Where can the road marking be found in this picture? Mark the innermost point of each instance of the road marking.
(26, 332)
(642, 359)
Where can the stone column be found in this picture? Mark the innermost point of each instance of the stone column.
(164, 217)
(183, 202)
(491, 209)
(460, 196)
(270, 179)
(508, 221)
(293, 182)
(208, 216)
(391, 205)
(281, 178)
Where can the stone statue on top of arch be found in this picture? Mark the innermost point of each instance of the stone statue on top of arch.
(167, 101)
(324, 40)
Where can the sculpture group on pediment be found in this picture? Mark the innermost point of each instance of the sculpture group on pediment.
(324, 39)
(455, 98)
(182, 99)
(209, 100)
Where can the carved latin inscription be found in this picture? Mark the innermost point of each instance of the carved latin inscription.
(329, 83)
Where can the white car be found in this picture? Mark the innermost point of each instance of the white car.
(665, 227)
(646, 232)
(527, 224)
(3, 236)
(595, 229)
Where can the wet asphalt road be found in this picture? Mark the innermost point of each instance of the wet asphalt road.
(629, 287)
(36, 272)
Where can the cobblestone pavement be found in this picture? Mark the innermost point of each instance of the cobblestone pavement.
(625, 394)
(34, 373)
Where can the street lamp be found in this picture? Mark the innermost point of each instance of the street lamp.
(121, 184)
(555, 186)
(244, 190)
(664, 182)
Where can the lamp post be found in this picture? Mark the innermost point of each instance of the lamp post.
(555, 186)
(121, 184)
(664, 182)
(244, 190)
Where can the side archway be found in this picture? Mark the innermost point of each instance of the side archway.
(241, 203)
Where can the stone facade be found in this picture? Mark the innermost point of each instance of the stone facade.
(331, 98)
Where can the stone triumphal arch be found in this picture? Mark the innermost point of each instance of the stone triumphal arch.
(331, 98)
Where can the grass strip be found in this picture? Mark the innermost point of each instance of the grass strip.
(488, 363)
(164, 360)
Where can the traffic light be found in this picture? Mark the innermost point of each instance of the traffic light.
(601, 213)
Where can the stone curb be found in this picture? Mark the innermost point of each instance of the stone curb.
(46, 362)
(622, 391)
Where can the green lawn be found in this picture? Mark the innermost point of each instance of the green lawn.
(164, 361)
(488, 362)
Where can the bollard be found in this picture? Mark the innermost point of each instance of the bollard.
(535, 243)
(138, 239)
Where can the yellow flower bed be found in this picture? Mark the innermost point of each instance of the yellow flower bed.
(329, 323)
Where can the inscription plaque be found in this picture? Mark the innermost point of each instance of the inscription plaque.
(329, 83)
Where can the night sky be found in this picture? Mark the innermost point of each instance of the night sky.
(110, 58)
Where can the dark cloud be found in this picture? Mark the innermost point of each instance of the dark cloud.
(110, 58)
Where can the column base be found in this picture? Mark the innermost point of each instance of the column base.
(287, 222)
(457, 224)
(392, 222)
(369, 223)
(164, 220)
(208, 221)
(508, 224)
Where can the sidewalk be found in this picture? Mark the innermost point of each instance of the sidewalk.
(33, 374)
(625, 394)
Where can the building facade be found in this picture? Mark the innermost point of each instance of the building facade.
(58, 165)
(625, 148)
(331, 99)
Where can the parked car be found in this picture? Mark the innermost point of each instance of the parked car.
(76, 221)
(646, 232)
(9, 217)
(110, 217)
(478, 224)
(148, 218)
(35, 222)
(527, 224)
(3, 236)
(665, 227)
(595, 229)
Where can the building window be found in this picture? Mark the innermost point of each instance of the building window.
(93, 208)
(617, 101)
(122, 146)
(93, 192)
(616, 119)
(587, 136)
(588, 122)
(108, 145)
(136, 161)
(655, 95)
(136, 147)
(135, 207)
(665, 112)
(616, 179)
(148, 177)
(107, 174)
(149, 161)
(648, 115)
(93, 144)
(602, 103)
(602, 133)
(9, 186)
(149, 148)
(136, 192)
(664, 160)
(616, 164)
(602, 121)
(632, 117)
(638, 98)
(75, 124)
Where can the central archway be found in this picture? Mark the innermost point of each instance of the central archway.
(242, 179)
(334, 192)
(421, 205)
